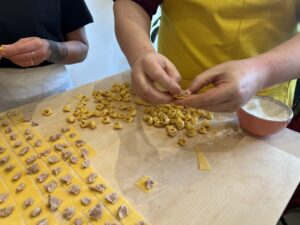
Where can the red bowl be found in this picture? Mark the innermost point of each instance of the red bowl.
(263, 126)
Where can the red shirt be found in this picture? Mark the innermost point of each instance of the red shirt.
(150, 6)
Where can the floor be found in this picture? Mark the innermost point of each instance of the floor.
(105, 57)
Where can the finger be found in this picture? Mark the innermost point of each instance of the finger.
(19, 48)
(23, 63)
(154, 96)
(223, 107)
(211, 97)
(20, 41)
(143, 87)
(26, 63)
(145, 90)
(22, 57)
(27, 58)
(204, 79)
(172, 71)
(156, 73)
(1, 49)
(158, 97)
(6, 47)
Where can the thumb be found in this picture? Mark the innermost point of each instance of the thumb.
(213, 96)
(203, 79)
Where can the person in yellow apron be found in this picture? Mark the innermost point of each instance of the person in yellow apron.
(234, 48)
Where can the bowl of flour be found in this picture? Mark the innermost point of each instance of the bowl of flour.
(264, 116)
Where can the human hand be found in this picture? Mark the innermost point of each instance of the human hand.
(1, 48)
(235, 82)
(155, 68)
(26, 52)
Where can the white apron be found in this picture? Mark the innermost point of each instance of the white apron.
(22, 86)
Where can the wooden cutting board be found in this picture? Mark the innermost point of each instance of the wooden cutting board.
(251, 179)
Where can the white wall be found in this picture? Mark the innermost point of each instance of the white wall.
(105, 57)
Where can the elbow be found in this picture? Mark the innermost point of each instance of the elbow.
(83, 52)
(78, 55)
(115, 7)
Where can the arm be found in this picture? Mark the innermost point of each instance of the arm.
(281, 63)
(74, 50)
(132, 25)
(32, 51)
(237, 81)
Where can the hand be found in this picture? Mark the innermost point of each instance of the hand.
(1, 48)
(26, 52)
(155, 68)
(235, 82)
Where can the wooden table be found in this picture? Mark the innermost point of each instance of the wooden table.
(251, 180)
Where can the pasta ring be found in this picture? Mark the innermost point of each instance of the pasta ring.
(47, 112)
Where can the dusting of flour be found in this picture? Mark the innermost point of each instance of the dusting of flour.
(266, 109)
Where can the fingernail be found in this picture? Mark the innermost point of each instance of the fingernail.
(178, 90)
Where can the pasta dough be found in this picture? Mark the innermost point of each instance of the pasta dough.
(142, 184)
(202, 161)
(37, 152)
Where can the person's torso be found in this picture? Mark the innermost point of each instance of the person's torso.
(205, 33)
(199, 34)
(30, 18)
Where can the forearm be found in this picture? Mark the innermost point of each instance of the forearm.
(73, 50)
(67, 52)
(281, 63)
(132, 25)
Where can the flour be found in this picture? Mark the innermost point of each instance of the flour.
(266, 108)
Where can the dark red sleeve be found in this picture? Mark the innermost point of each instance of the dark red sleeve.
(150, 6)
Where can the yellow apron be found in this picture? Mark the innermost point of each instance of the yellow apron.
(199, 34)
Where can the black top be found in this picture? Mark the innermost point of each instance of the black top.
(47, 19)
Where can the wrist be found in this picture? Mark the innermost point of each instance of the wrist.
(47, 48)
(57, 51)
(140, 56)
(263, 70)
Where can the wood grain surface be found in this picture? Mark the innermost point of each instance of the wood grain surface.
(251, 179)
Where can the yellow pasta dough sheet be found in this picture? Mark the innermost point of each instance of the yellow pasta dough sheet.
(30, 190)
(141, 184)
(16, 116)
(79, 176)
(73, 136)
(22, 196)
(202, 160)
(133, 216)
(66, 169)
(67, 201)
(16, 217)
(106, 216)
(27, 191)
